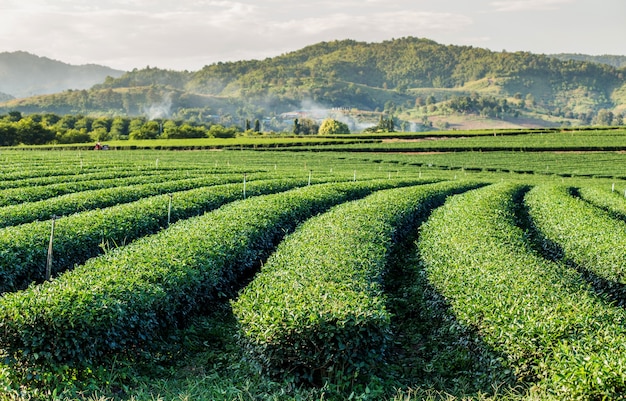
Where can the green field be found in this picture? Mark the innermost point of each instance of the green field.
(466, 266)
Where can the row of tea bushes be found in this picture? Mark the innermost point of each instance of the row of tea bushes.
(81, 236)
(76, 202)
(581, 234)
(65, 177)
(125, 299)
(13, 196)
(317, 308)
(611, 201)
(16, 175)
(560, 338)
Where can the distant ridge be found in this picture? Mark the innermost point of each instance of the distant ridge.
(23, 74)
(5, 97)
(420, 83)
(608, 59)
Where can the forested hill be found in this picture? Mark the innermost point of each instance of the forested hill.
(612, 60)
(409, 77)
(397, 64)
(23, 74)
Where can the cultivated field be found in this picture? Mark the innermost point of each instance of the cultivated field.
(317, 273)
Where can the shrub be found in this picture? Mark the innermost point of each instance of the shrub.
(123, 300)
(581, 234)
(333, 127)
(317, 307)
(81, 236)
(546, 321)
(81, 201)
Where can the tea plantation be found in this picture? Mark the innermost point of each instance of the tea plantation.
(398, 272)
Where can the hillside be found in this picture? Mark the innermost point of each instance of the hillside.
(23, 74)
(5, 97)
(612, 60)
(421, 83)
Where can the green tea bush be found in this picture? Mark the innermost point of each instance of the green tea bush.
(317, 308)
(582, 234)
(81, 236)
(560, 338)
(30, 177)
(126, 299)
(611, 201)
(100, 198)
(14, 196)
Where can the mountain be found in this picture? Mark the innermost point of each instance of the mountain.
(418, 81)
(5, 97)
(612, 60)
(23, 74)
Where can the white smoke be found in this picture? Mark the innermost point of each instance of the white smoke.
(162, 109)
(318, 112)
(315, 110)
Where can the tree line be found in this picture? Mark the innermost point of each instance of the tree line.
(39, 129)
(49, 128)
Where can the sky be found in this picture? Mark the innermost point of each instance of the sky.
(189, 34)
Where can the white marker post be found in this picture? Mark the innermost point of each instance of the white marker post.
(49, 259)
(169, 210)
(244, 185)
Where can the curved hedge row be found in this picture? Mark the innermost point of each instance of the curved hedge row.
(76, 177)
(16, 174)
(317, 307)
(123, 300)
(18, 195)
(81, 236)
(76, 202)
(580, 233)
(612, 202)
(552, 328)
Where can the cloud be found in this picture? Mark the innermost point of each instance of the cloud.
(473, 40)
(374, 27)
(528, 5)
(188, 34)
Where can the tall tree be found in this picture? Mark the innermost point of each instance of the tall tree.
(296, 127)
(332, 127)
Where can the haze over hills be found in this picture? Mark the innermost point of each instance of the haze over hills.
(23, 74)
(417, 81)
(612, 60)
